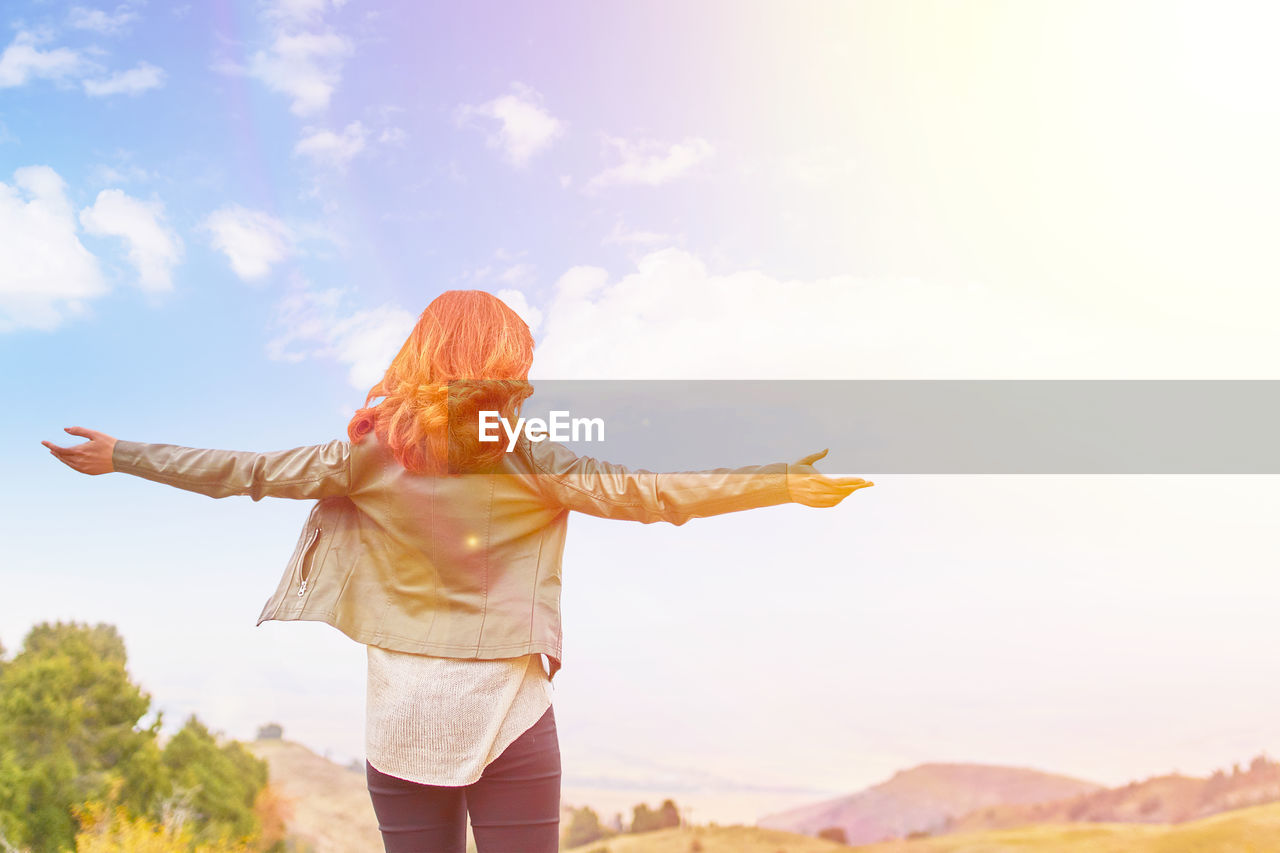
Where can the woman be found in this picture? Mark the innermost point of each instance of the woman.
(441, 553)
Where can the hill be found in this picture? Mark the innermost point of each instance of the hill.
(1250, 830)
(928, 798)
(330, 803)
(1162, 799)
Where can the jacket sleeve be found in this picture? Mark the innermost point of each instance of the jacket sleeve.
(607, 490)
(303, 473)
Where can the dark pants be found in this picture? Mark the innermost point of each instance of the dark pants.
(514, 805)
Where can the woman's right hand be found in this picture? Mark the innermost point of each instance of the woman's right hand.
(811, 487)
(91, 457)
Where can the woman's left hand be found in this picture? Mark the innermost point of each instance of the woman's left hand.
(92, 457)
(809, 486)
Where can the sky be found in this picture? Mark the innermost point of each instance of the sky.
(219, 220)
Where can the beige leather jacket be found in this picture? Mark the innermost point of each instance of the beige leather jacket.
(465, 566)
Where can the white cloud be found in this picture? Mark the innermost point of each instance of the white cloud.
(304, 62)
(651, 163)
(135, 81)
(818, 165)
(624, 236)
(516, 274)
(306, 66)
(393, 136)
(313, 325)
(47, 274)
(299, 11)
(519, 304)
(98, 21)
(367, 341)
(327, 148)
(383, 116)
(252, 240)
(525, 128)
(154, 248)
(671, 318)
(23, 61)
(104, 173)
(510, 274)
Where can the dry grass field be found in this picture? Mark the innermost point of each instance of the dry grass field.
(1251, 830)
(714, 839)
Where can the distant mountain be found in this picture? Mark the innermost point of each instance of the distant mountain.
(926, 799)
(1160, 799)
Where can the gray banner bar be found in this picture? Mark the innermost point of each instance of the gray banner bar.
(928, 426)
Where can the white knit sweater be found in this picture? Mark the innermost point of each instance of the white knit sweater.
(440, 721)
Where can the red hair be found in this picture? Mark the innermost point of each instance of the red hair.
(468, 351)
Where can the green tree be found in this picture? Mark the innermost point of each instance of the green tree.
(13, 799)
(222, 781)
(643, 818)
(584, 827)
(69, 722)
(71, 737)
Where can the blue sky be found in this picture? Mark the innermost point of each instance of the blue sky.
(219, 220)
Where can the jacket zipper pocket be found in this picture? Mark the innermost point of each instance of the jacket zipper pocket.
(302, 564)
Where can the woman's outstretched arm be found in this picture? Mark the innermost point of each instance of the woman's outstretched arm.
(608, 490)
(302, 473)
